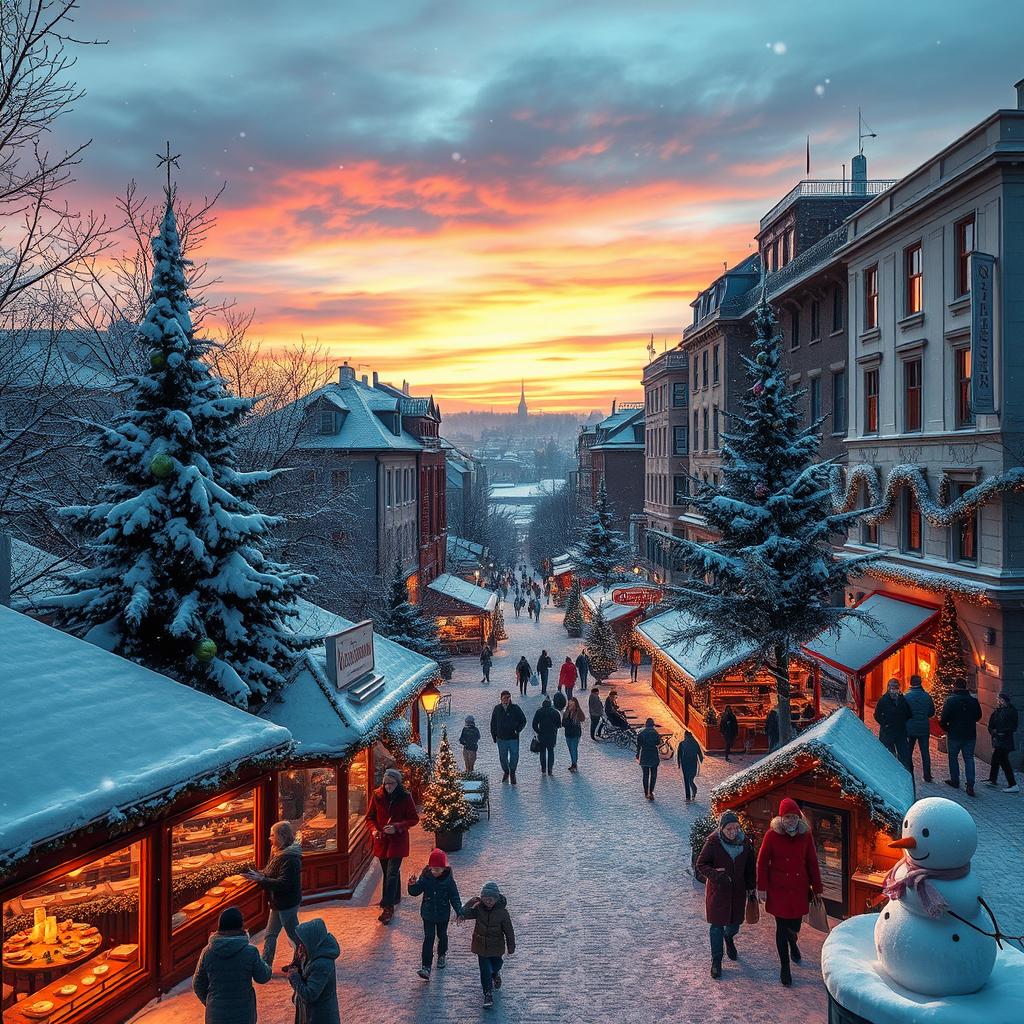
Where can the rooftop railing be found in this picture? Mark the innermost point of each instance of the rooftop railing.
(817, 187)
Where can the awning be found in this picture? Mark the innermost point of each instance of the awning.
(856, 647)
(699, 659)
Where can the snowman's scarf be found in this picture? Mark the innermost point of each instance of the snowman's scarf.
(916, 878)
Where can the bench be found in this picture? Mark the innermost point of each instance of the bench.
(477, 794)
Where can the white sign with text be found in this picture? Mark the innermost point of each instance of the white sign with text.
(350, 654)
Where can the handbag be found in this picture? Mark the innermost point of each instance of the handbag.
(535, 745)
(817, 917)
(752, 912)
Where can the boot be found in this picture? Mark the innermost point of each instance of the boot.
(716, 967)
(496, 980)
(784, 976)
(794, 951)
(386, 915)
(424, 973)
(442, 962)
(514, 782)
(488, 1000)
(730, 949)
(504, 776)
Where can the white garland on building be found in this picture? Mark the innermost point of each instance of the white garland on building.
(936, 583)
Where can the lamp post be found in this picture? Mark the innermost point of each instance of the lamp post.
(476, 573)
(429, 698)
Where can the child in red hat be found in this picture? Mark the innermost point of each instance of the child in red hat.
(440, 896)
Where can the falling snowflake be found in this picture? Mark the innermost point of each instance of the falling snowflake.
(779, 48)
(457, 157)
(241, 135)
(820, 90)
(251, 168)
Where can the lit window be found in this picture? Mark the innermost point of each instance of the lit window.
(911, 522)
(871, 401)
(912, 395)
(871, 298)
(964, 413)
(307, 798)
(965, 531)
(964, 231)
(914, 278)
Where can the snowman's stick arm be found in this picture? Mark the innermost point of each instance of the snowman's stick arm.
(998, 934)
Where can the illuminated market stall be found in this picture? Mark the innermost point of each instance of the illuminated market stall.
(623, 606)
(852, 791)
(464, 613)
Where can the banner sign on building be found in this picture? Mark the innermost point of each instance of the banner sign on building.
(350, 654)
(982, 306)
(638, 596)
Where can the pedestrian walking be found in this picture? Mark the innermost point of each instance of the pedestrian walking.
(689, 757)
(517, 604)
(567, 677)
(583, 668)
(635, 656)
(469, 739)
(572, 722)
(647, 743)
(961, 713)
(559, 700)
(729, 727)
(523, 671)
(493, 936)
(227, 968)
(922, 710)
(314, 978)
(507, 722)
(486, 660)
(787, 870)
(546, 723)
(771, 729)
(728, 865)
(392, 812)
(1002, 724)
(281, 879)
(547, 592)
(596, 708)
(544, 664)
(436, 884)
(892, 713)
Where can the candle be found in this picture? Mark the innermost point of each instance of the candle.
(38, 923)
(50, 931)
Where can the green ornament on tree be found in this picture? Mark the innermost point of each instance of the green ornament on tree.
(161, 466)
(157, 360)
(205, 650)
(762, 358)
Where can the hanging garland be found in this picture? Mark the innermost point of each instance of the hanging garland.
(934, 582)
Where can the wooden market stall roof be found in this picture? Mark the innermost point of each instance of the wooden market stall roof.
(844, 746)
(448, 590)
(598, 597)
(857, 645)
(103, 742)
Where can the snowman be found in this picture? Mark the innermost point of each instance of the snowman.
(920, 944)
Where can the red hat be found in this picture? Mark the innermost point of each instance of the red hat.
(788, 806)
(437, 859)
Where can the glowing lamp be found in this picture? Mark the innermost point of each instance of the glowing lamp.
(429, 698)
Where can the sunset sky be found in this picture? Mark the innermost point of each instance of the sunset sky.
(466, 193)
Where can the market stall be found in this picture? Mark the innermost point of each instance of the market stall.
(623, 606)
(852, 791)
(697, 683)
(464, 613)
(130, 810)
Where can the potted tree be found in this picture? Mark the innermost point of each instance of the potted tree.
(446, 811)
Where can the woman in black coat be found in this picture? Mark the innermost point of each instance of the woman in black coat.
(227, 968)
(647, 742)
(729, 727)
(1002, 724)
(523, 674)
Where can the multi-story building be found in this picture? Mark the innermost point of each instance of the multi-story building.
(666, 456)
(585, 490)
(617, 461)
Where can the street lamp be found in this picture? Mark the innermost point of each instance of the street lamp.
(476, 573)
(429, 699)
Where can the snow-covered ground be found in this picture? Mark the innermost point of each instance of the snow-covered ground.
(609, 923)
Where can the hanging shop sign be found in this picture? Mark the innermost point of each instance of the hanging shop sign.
(637, 596)
(982, 304)
(350, 654)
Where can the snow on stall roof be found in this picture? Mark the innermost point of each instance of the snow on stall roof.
(100, 737)
(855, 645)
(696, 658)
(843, 744)
(597, 597)
(464, 591)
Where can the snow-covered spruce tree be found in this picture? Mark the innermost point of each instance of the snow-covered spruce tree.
(445, 808)
(179, 580)
(602, 646)
(950, 667)
(766, 582)
(602, 551)
(573, 618)
(408, 625)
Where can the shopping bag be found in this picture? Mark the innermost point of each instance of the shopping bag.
(752, 913)
(817, 917)
(534, 681)
(535, 745)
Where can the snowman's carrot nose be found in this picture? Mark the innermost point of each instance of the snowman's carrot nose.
(906, 843)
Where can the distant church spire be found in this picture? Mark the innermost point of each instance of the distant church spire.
(522, 401)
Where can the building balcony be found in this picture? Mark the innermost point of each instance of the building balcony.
(838, 188)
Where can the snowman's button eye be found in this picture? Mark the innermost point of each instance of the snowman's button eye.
(887, 915)
(924, 832)
(906, 823)
(956, 938)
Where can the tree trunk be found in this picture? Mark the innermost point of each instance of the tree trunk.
(780, 669)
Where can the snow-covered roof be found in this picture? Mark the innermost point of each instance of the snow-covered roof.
(462, 590)
(841, 744)
(697, 659)
(598, 597)
(462, 551)
(501, 492)
(563, 563)
(102, 739)
(856, 645)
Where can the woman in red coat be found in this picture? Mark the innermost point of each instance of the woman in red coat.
(787, 873)
(391, 814)
(567, 677)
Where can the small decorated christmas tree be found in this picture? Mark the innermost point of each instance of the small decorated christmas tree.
(444, 805)
(573, 618)
(603, 552)
(499, 632)
(406, 624)
(950, 668)
(602, 646)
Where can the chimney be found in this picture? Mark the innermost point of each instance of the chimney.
(405, 386)
(366, 380)
(613, 406)
(859, 175)
(1020, 94)
(376, 379)
(345, 373)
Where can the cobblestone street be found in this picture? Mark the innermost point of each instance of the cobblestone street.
(609, 922)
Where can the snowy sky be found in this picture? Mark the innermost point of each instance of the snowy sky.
(425, 185)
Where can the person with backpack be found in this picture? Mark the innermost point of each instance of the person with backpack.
(546, 723)
(493, 936)
(922, 710)
(1002, 724)
(436, 884)
(961, 713)
(469, 740)
(227, 968)
(523, 671)
(544, 664)
(314, 978)
(486, 660)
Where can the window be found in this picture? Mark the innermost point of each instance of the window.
(358, 796)
(815, 320)
(680, 489)
(871, 401)
(680, 441)
(870, 298)
(869, 533)
(837, 309)
(964, 231)
(679, 395)
(339, 479)
(965, 531)
(839, 402)
(714, 427)
(326, 422)
(914, 272)
(705, 447)
(964, 412)
(911, 539)
(786, 250)
(696, 373)
(715, 364)
(775, 255)
(307, 798)
(912, 395)
(814, 399)
(390, 489)
(794, 329)
(704, 368)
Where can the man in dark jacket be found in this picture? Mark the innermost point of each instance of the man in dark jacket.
(523, 671)
(689, 756)
(486, 660)
(440, 897)
(961, 713)
(647, 743)
(583, 668)
(892, 712)
(729, 866)
(729, 727)
(282, 880)
(314, 979)
(226, 970)
(771, 728)
(507, 722)
(546, 723)
(1002, 724)
(596, 708)
(544, 664)
(922, 709)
